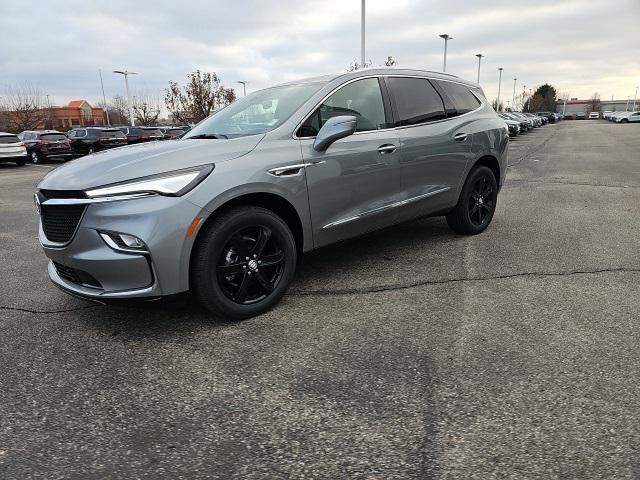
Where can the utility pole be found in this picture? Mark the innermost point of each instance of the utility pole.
(446, 38)
(126, 85)
(244, 87)
(479, 55)
(524, 95)
(564, 106)
(104, 99)
(513, 98)
(628, 100)
(634, 99)
(499, 87)
(362, 32)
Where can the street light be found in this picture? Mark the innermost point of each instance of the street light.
(479, 55)
(513, 99)
(524, 95)
(446, 38)
(499, 86)
(244, 87)
(104, 99)
(634, 99)
(126, 85)
(362, 15)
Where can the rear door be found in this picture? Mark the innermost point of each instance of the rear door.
(435, 145)
(354, 185)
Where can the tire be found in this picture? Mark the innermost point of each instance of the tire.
(21, 162)
(624, 120)
(91, 151)
(240, 287)
(477, 202)
(36, 158)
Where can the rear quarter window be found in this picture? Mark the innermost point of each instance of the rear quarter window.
(9, 139)
(416, 100)
(460, 95)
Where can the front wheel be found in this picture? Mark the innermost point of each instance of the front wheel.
(477, 203)
(243, 263)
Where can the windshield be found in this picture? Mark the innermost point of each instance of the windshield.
(259, 112)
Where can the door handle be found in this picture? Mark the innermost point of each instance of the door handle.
(387, 148)
(460, 137)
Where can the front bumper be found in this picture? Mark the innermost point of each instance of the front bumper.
(161, 222)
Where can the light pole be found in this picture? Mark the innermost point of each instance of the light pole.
(479, 55)
(104, 99)
(634, 99)
(362, 15)
(628, 100)
(499, 87)
(524, 95)
(564, 106)
(244, 87)
(126, 74)
(513, 98)
(446, 38)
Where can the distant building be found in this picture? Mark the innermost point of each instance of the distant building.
(77, 113)
(584, 106)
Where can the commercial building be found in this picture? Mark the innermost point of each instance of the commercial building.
(585, 106)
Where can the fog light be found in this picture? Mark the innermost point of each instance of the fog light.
(124, 242)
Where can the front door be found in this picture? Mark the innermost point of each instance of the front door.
(354, 185)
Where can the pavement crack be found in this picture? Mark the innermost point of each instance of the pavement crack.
(31, 310)
(392, 287)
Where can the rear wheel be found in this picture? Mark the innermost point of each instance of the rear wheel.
(91, 150)
(477, 202)
(243, 263)
(36, 158)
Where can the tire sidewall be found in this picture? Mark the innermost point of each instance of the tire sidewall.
(218, 239)
(474, 176)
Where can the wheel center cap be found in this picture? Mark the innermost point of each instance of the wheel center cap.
(480, 201)
(253, 265)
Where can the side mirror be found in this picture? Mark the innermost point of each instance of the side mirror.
(334, 129)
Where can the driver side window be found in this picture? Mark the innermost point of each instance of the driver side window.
(361, 98)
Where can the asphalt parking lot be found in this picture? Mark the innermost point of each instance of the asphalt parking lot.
(410, 353)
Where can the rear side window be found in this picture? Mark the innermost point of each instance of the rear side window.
(111, 134)
(362, 99)
(9, 139)
(461, 97)
(52, 137)
(416, 100)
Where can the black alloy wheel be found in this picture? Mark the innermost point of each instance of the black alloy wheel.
(243, 262)
(477, 202)
(250, 265)
(481, 202)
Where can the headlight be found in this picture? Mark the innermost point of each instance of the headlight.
(171, 184)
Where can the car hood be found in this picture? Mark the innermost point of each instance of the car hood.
(135, 161)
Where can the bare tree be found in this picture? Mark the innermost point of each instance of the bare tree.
(593, 105)
(25, 108)
(390, 62)
(200, 97)
(117, 109)
(496, 107)
(146, 109)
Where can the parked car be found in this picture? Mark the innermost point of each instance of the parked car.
(581, 116)
(88, 140)
(46, 144)
(594, 115)
(525, 125)
(548, 115)
(171, 133)
(626, 117)
(513, 126)
(606, 114)
(568, 116)
(537, 121)
(12, 149)
(227, 210)
(141, 134)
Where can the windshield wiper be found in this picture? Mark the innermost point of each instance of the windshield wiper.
(216, 136)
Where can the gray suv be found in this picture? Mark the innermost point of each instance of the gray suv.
(227, 211)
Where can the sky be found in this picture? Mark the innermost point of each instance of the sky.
(579, 46)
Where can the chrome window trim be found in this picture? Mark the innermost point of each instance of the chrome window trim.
(386, 75)
(401, 203)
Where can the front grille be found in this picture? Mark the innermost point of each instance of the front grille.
(76, 276)
(63, 193)
(59, 222)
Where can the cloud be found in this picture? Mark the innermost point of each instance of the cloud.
(579, 46)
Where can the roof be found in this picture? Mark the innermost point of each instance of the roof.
(76, 103)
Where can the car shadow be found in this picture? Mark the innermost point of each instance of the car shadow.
(182, 314)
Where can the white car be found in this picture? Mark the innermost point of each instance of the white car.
(628, 117)
(12, 149)
(594, 116)
(606, 114)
